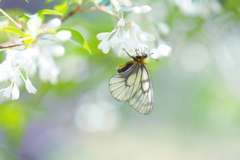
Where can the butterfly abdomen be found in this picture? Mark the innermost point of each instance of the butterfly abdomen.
(124, 67)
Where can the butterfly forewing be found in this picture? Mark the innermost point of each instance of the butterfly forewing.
(122, 86)
(133, 84)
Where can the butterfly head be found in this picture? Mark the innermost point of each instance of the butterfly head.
(140, 59)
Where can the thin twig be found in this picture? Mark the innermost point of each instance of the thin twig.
(11, 19)
(11, 44)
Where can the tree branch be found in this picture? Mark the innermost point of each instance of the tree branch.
(77, 9)
(11, 44)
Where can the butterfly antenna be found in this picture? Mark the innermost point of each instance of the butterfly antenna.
(128, 53)
(142, 52)
(152, 58)
(136, 50)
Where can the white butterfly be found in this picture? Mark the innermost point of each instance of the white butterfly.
(133, 84)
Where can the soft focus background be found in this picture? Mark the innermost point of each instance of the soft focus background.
(196, 114)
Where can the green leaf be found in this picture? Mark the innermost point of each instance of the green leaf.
(78, 39)
(48, 1)
(13, 30)
(77, 1)
(48, 11)
(62, 7)
(13, 121)
(26, 1)
(24, 18)
(126, 13)
(105, 2)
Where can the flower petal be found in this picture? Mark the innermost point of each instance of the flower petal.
(57, 50)
(34, 24)
(102, 43)
(54, 23)
(104, 46)
(104, 35)
(115, 41)
(164, 50)
(146, 37)
(7, 92)
(145, 8)
(30, 88)
(63, 35)
(15, 92)
(136, 10)
(121, 22)
(141, 9)
(135, 29)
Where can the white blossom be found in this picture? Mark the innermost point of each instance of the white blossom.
(15, 92)
(121, 23)
(30, 88)
(105, 45)
(21, 63)
(141, 9)
(111, 39)
(63, 35)
(33, 25)
(54, 24)
(7, 92)
(11, 90)
(163, 50)
(127, 36)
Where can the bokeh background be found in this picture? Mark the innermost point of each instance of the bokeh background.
(196, 114)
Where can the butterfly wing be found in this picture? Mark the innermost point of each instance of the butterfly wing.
(134, 85)
(125, 84)
(142, 101)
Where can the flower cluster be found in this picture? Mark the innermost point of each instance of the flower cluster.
(21, 63)
(126, 36)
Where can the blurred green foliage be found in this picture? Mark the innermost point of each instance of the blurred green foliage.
(13, 121)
